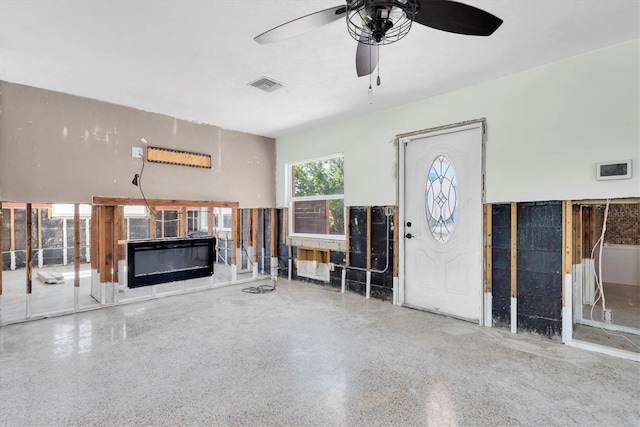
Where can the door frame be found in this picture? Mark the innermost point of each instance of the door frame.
(402, 139)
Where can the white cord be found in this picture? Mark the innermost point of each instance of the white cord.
(598, 278)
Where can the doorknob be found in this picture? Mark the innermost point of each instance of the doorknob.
(408, 235)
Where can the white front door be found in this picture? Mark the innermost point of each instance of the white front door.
(442, 200)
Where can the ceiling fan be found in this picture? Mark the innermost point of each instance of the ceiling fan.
(377, 22)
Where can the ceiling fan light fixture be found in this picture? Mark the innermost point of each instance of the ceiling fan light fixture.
(379, 22)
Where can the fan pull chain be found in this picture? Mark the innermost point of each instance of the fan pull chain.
(378, 80)
(370, 88)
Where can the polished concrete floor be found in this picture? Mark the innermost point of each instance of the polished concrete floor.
(52, 299)
(302, 355)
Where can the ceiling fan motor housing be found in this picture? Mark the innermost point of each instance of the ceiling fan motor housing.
(378, 22)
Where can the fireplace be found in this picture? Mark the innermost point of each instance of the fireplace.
(150, 262)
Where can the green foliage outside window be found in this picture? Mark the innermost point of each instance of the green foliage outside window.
(323, 178)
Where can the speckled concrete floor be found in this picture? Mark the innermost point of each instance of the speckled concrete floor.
(302, 355)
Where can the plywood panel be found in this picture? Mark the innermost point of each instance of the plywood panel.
(177, 157)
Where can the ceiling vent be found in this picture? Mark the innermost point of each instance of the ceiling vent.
(266, 84)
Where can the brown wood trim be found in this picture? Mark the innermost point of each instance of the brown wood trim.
(488, 248)
(99, 200)
(514, 250)
(29, 254)
(567, 240)
(76, 245)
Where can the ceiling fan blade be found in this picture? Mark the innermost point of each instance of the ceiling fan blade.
(454, 17)
(366, 59)
(301, 25)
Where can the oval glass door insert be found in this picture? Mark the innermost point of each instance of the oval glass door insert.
(441, 199)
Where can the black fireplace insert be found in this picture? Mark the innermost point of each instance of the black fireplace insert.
(151, 262)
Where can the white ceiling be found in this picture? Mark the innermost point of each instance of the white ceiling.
(194, 59)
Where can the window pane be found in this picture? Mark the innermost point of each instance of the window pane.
(441, 199)
(319, 217)
(321, 178)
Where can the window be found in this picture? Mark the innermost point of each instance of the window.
(441, 199)
(222, 218)
(316, 205)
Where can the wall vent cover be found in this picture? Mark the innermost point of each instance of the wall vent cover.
(266, 84)
(613, 170)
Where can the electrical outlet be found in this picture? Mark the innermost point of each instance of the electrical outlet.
(137, 152)
(607, 316)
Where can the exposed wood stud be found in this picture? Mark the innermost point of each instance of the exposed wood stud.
(162, 223)
(94, 233)
(118, 229)
(162, 202)
(577, 234)
(28, 256)
(285, 216)
(76, 245)
(153, 224)
(254, 234)
(210, 221)
(488, 248)
(567, 242)
(263, 214)
(39, 216)
(235, 225)
(368, 237)
(1, 228)
(12, 229)
(514, 250)
(184, 222)
(274, 233)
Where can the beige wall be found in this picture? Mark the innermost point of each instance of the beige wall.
(56, 147)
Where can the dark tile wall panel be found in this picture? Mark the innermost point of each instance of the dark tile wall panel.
(540, 267)
(381, 281)
(501, 264)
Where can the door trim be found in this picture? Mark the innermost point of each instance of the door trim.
(403, 139)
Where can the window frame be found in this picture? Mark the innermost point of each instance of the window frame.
(291, 199)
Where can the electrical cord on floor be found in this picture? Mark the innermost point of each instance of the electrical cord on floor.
(264, 288)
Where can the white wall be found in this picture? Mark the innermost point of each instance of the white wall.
(547, 128)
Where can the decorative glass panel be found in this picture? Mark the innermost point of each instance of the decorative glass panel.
(441, 199)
